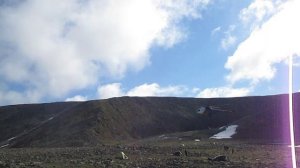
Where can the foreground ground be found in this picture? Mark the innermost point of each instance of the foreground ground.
(149, 153)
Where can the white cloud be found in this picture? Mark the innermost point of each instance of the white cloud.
(224, 92)
(296, 61)
(258, 10)
(229, 39)
(154, 89)
(228, 42)
(110, 90)
(13, 97)
(53, 47)
(77, 98)
(215, 30)
(271, 43)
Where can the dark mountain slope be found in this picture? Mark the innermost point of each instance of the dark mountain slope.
(121, 118)
(271, 123)
(16, 119)
(126, 118)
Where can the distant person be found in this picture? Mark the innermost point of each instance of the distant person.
(186, 152)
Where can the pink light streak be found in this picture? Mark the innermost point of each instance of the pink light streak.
(291, 116)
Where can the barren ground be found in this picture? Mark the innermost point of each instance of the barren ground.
(151, 153)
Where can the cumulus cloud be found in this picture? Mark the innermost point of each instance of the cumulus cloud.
(296, 62)
(53, 47)
(258, 10)
(229, 39)
(14, 97)
(110, 90)
(8, 96)
(77, 98)
(224, 92)
(154, 89)
(271, 43)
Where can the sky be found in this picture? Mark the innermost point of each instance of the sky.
(77, 50)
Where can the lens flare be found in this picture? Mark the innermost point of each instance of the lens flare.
(291, 116)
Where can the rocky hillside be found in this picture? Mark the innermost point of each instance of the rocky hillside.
(128, 118)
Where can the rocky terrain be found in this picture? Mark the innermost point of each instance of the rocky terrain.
(151, 131)
(146, 154)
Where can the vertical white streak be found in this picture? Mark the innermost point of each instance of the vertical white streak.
(291, 117)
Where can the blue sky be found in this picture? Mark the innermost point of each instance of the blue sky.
(82, 50)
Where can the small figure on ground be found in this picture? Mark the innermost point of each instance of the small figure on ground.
(186, 152)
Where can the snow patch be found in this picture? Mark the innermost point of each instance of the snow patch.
(201, 110)
(163, 137)
(50, 118)
(11, 138)
(222, 127)
(227, 133)
(3, 146)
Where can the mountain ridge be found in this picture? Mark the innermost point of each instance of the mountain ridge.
(128, 118)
